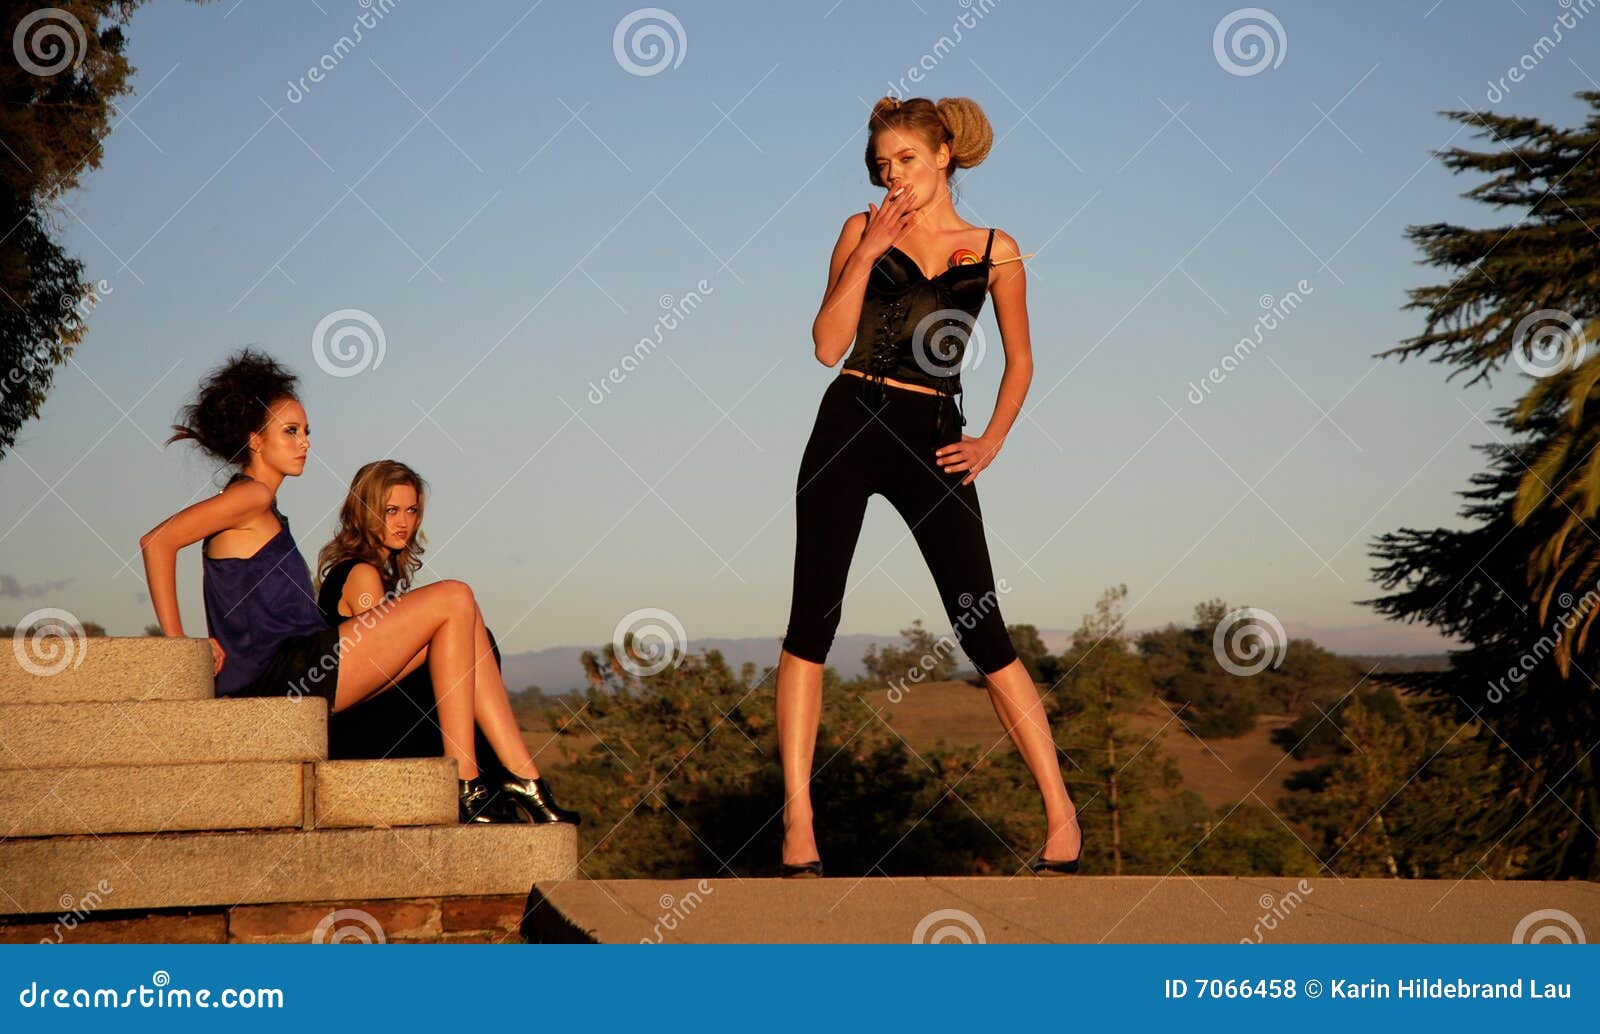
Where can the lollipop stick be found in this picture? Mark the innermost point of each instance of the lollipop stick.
(1017, 258)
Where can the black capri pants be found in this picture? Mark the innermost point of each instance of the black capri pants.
(871, 438)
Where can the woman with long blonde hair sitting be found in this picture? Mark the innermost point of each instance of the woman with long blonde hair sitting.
(370, 561)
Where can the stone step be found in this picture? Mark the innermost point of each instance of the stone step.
(163, 732)
(390, 792)
(63, 668)
(172, 870)
(234, 795)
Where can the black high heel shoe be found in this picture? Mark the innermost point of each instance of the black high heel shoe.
(533, 798)
(477, 801)
(790, 871)
(1043, 866)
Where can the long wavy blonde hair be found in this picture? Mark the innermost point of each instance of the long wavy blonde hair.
(361, 526)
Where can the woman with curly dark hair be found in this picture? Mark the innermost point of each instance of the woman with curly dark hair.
(268, 637)
(884, 427)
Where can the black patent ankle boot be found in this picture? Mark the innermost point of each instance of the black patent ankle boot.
(477, 802)
(534, 799)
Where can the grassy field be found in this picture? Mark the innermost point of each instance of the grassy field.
(1220, 771)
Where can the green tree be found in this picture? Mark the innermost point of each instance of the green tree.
(1518, 585)
(1402, 797)
(1529, 291)
(1116, 774)
(64, 71)
(920, 656)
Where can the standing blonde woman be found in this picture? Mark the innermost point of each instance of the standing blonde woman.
(906, 282)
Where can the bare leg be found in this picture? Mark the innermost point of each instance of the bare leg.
(799, 710)
(377, 648)
(1021, 713)
(492, 708)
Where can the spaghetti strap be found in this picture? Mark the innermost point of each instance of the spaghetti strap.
(990, 246)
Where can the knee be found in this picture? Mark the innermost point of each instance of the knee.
(809, 641)
(991, 653)
(458, 596)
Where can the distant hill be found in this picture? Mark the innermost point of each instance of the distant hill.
(556, 669)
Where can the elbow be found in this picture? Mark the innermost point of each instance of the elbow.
(828, 352)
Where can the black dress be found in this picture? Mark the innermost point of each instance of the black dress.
(402, 722)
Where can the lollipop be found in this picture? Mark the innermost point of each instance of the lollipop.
(963, 257)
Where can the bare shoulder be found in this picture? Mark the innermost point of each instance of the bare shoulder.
(363, 587)
(1005, 246)
(855, 226)
(248, 495)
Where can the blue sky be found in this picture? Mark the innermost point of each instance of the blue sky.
(514, 207)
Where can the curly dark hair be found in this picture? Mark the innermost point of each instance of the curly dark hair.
(232, 403)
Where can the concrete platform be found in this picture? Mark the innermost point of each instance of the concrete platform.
(162, 732)
(1053, 910)
(109, 668)
(197, 869)
(237, 795)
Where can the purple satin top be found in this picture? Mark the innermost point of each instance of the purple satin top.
(254, 603)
